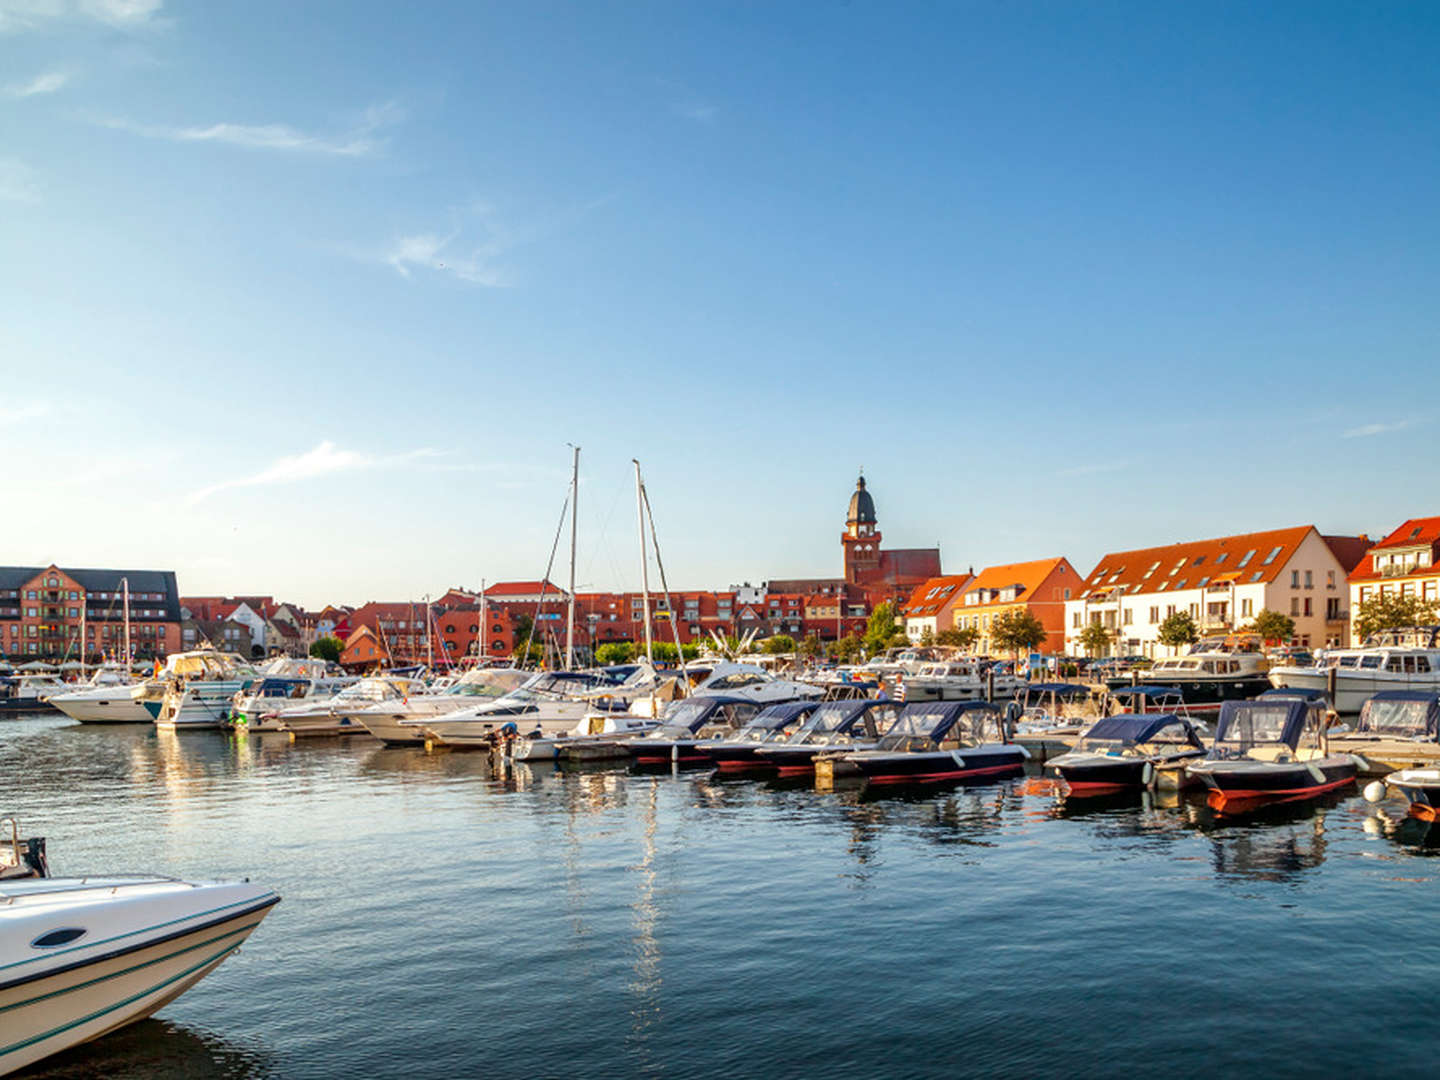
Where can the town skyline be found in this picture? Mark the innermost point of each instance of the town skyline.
(327, 327)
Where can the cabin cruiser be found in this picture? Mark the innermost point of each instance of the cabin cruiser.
(189, 669)
(774, 723)
(338, 714)
(901, 661)
(1256, 756)
(685, 725)
(754, 683)
(550, 703)
(935, 741)
(81, 957)
(386, 719)
(835, 727)
(28, 693)
(966, 679)
(257, 708)
(1126, 751)
(1392, 660)
(105, 698)
(1214, 670)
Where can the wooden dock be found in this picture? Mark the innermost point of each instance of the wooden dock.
(1384, 756)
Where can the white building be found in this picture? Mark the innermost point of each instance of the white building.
(1223, 584)
(1405, 563)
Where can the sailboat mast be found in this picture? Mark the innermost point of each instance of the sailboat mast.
(483, 627)
(429, 648)
(84, 603)
(644, 560)
(125, 589)
(574, 516)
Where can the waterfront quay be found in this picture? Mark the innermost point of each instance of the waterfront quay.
(520, 921)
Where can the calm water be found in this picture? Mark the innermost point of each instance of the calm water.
(441, 921)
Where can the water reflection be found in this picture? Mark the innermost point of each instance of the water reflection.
(1279, 842)
(156, 1050)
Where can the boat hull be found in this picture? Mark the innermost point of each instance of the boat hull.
(1353, 686)
(1247, 781)
(200, 706)
(1421, 788)
(50, 1012)
(978, 763)
(1206, 691)
(738, 757)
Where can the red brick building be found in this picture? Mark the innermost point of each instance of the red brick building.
(40, 612)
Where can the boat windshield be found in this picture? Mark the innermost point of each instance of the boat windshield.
(473, 690)
(684, 717)
(1260, 723)
(915, 730)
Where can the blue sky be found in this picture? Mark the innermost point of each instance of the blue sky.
(310, 298)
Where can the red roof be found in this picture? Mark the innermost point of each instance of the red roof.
(522, 588)
(1029, 576)
(1414, 533)
(931, 597)
(1251, 557)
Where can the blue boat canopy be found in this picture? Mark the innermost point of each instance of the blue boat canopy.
(1148, 692)
(1274, 720)
(932, 721)
(775, 717)
(1408, 714)
(690, 714)
(1302, 693)
(1062, 689)
(1129, 728)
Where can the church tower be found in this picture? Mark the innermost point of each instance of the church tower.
(861, 538)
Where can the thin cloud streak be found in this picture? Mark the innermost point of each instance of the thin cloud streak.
(1365, 431)
(20, 15)
(361, 142)
(17, 182)
(46, 83)
(326, 459)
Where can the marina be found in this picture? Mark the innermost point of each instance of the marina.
(575, 903)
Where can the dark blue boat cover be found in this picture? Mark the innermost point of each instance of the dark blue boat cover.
(1411, 714)
(1062, 689)
(1303, 693)
(1148, 692)
(1133, 728)
(775, 717)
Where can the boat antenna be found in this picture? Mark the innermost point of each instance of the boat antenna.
(644, 560)
(574, 515)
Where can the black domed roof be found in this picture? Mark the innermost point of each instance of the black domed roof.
(862, 506)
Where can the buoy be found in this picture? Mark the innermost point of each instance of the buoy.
(1374, 791)
(1316, 772)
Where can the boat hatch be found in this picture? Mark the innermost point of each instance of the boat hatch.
(55, 938)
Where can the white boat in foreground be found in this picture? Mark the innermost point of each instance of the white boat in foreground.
(105, 699)
(80, 957)
(1393, 660)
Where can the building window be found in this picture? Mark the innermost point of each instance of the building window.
(1269, 558)
(1309, 609)
(1309, 579)
(1294, 605)
(1154, 614)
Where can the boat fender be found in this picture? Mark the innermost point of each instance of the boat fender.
(959, 761)
(1316, 772)
(1374, 791)
(1147, 774)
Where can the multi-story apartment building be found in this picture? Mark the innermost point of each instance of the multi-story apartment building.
(932, 606)
(1040, 587)
(1405, 563)
(1222, 584)
(40, 612)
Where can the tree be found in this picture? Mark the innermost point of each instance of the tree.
(615, 652)
(1271, 626)
(847, 650)
(1177, 630)
(811, 645)
(960, 638)
(1390, 611)
(1018, 630)
(1095, 639)
(927, 637)
(327, 648)
(780, 643)
(882, 632)
(664, 651)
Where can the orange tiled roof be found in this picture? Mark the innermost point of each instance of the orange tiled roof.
(1028, 575)
(1254, 557)
(1416, 532)
(929, 598)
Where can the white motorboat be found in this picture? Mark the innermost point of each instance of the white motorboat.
(338, 715)
(1393, 660)
(550, 703)
(80, 957)
(966, 679)
(257, 707)
(386, 719)
(199, 706)
(28, 693)
(190, 668)
(752, 683)
(106, 698)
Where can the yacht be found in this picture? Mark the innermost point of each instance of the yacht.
(836, 727)
(81, 957)
(257, 707)
(189, 669)
(1126, 751)
(754, 683)
(28, 693)
(550, 703)
(339, 714)
(1214, 670)
(966, 679)
(105, 699)
(1392, 660)
(386, 720)
(937, 741)
(1257, 757)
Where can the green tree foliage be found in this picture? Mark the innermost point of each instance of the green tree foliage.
(665, 651)
(927, 637)
(327, 648)
(1272, 626)
(1095, 639)
(882, 630)
(811, 646)
(1017, 630)
(1389, 611)
(615, 652)
(847, 650)
(1178, 630)
(780, 643)
(960, 637)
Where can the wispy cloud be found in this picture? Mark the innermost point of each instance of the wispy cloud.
(1092, 470)
(468, 251)
(699, 111)
(18, 15)
(361, 140)
(14, 414)
(17, 181)
(1365, 431)
(45, 83)
(326, 459)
